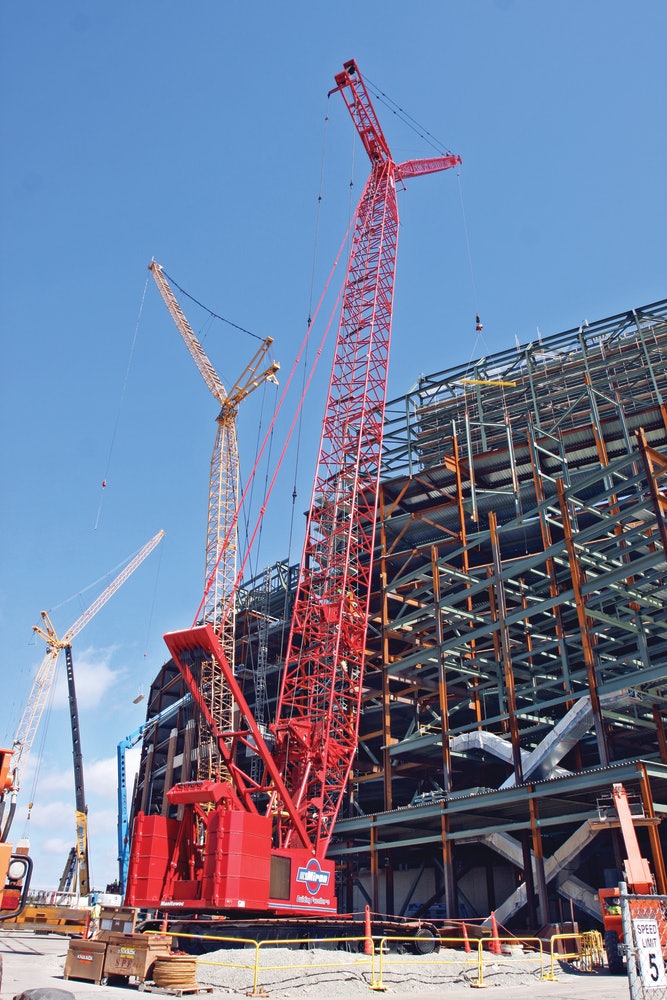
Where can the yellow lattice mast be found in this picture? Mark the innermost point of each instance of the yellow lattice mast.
(221, 535)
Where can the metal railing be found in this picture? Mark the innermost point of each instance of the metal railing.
(373, 959)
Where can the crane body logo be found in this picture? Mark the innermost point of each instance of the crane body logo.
(313, 876)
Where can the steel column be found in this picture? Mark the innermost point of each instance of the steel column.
(657, 857)
(538, 855)
(506, 652)
(577, 576)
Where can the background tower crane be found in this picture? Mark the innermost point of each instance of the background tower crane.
(81, 809)
(244, 844)
(221, 535)
(39, 696)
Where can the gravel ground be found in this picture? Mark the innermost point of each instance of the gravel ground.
(286, 973)
(38, 960)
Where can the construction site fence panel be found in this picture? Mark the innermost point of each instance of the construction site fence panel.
(457, 959)
(487, 954)
(644, 944)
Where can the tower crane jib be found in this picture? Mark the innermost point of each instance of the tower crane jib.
(221, 535)
(42, 685)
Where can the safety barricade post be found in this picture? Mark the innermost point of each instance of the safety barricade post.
(480, 984)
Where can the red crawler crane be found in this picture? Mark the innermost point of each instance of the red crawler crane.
(248, 845)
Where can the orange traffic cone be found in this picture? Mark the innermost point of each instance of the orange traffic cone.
(368, 938)
(466, 943)
(494, 947)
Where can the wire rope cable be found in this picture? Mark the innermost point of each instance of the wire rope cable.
(105, 578)
(297, 454)
(120, 404)
(214, 315)
(255, 561)
(151, 612)
(407, 119)
(428, 137)
(39, 756)
(467, 242)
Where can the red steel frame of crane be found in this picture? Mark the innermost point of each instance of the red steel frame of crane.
(321, 690)
(318, 711)
(188, 648)
(316, 724)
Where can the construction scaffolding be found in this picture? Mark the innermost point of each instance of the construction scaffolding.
(516, 661)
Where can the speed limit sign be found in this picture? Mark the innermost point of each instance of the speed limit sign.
(649, 953)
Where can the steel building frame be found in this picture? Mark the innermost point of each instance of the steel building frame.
(516, 661)
(520, 625)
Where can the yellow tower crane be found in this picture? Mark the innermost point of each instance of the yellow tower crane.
(39, 696)
(221, 537)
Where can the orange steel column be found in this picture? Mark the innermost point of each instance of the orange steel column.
(442, 680)
(547, 540)
(451, 895)
(577, 576)
(655, 465)
(447, 858)
(375, 889)
(657, 857)
(454, 463)
(538, 854)
(660, 733)
(505, 649)
(495, 638)
(386, 702)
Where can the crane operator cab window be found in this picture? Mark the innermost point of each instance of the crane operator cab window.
(280, 877)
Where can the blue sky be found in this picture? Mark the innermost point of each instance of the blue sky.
(201, 135)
